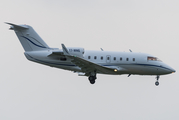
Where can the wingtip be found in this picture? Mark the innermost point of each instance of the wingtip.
(8, 23)
(65, 51)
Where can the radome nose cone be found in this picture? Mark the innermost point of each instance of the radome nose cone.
(170, 69)
(173, 71)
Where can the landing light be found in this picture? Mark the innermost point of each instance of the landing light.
(115, 70)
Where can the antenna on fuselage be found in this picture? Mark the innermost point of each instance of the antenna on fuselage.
(101, 49)
(130, 50)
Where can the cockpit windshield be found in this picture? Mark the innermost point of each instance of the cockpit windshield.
(153, 59)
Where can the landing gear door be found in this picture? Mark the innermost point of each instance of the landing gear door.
(108, 59)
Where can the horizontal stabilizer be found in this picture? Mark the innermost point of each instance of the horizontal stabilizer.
(17, 26)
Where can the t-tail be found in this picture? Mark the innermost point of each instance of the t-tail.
(29, 39)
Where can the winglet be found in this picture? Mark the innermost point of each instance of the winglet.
(17, 26)
(65, 50)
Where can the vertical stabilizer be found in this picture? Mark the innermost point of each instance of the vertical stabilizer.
(29, 39)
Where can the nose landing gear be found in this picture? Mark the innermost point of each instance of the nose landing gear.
(157, 83)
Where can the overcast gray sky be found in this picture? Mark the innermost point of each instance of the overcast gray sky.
(32, 91)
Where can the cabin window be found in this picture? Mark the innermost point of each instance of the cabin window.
(153, 59)
(120, 58)
(114, 58)
(127, 59)
(89, 57)
(95, 57)
(101, 57)
(133, 59)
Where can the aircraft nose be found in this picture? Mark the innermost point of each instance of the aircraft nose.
(173, 71)
(169, 69)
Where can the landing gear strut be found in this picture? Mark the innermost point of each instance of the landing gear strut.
(157, 83)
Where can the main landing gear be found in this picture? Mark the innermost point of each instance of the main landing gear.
(92, 77)
(157, 83)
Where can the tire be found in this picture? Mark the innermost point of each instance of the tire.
(92, 81)
(157, 83)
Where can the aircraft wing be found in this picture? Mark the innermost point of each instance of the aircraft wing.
(87, 66)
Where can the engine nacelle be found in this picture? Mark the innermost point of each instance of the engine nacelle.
(76, 51)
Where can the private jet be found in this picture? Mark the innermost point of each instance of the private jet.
(87, 62)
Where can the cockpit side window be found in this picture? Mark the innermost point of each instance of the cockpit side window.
(153, 59)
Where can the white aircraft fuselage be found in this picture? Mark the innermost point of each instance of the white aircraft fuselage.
(126, 62)
(87, 62)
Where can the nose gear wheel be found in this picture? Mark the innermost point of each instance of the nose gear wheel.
(157, 83)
